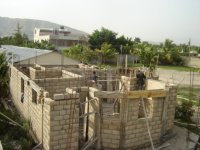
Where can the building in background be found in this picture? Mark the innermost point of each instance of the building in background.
(30, 56)
(60, 38)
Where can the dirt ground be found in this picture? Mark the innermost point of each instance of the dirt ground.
(178, 77)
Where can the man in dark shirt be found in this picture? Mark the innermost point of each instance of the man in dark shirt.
(94, 78)
(140, 80)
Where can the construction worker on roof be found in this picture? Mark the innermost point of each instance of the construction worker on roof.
(94, 78)
(140, 80)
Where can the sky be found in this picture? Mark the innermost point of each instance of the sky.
(150, 20)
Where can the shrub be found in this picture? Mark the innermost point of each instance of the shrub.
(184, 111)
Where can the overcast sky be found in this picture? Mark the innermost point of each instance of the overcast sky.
(151, 20)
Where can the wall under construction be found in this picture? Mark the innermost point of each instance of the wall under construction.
(66, 114)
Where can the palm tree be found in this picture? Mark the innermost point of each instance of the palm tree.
(106, 52)
(148, 55)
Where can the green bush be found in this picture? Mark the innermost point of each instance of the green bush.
(184, 111)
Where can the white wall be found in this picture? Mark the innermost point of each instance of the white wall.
(52, 58)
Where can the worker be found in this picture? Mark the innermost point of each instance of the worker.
(140, 80)
(94, 78)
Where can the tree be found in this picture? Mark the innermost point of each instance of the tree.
(137, 40)
(3, 75)
(80, 52)
(148, 55)
(169, 54)
(123, 45)
(97, 38)
(18, 38)
(106, 52)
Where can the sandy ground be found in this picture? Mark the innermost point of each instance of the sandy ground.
(178, 77)
(180, 140)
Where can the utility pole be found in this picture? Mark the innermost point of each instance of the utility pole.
(121, 58)
(189, 48)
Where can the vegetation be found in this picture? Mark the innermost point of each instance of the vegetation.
(184, 111)
(106, 52)
(3, 76)
(148, 55)
(80, 52)
(12, 136)
(120, 44)
(169, 54)
(20, 39)
(166, 53)
(187, 93)
(188, 97)
(179, 68)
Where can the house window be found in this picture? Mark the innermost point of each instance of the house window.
(22, 85)
(22, 90)
(148, 104)
(34, 96)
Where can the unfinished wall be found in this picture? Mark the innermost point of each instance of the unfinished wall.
(64, 122)
(27, 106)
(54, 111)
(54, 122)
(59, 85)
(39, 73)
(128, 128)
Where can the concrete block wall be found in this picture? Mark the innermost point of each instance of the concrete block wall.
(171, 105)
(59, 85)
(64, 123)
(70, 74)
(27, 107)
(54, 122)
(129, 131)
(110, 133)
(136, 130)
(41, 73)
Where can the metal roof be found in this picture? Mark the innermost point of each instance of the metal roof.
(22, 53)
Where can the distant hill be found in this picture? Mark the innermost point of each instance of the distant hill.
(8, 26)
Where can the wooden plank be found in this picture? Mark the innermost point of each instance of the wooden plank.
(130, 94)
(87, 114)
(146, 93)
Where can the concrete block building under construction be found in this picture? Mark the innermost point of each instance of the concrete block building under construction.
(68, 112)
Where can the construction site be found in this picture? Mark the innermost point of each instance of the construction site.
(67, 111)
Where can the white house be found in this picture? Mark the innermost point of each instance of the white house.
(60, 38)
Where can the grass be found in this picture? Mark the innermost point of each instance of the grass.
(179, 68)
(170, 67)
(167, 67)
(185, 93)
